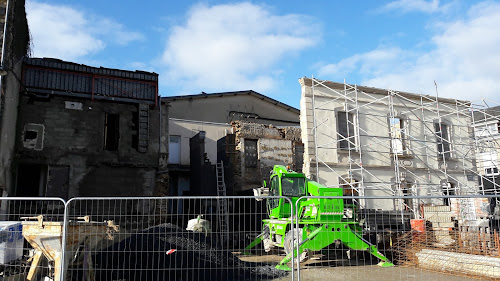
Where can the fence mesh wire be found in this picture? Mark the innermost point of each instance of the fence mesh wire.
(166, 239)
(232, 238)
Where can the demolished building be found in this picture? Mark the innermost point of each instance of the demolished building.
(232, 128)
(87, 131)
(258, 148)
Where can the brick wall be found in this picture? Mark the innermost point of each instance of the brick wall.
(275, 146)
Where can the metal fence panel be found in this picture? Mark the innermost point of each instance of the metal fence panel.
(30, 237)
(453, 235)
(232, 238)
(148, 239)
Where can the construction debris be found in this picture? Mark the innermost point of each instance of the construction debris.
(469, 253)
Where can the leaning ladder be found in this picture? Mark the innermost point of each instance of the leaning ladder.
(222, 202)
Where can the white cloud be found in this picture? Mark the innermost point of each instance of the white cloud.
(63, 32)
(406, 6)
(463, 61)
(234, 46)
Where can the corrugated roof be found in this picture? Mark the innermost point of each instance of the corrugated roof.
(54, 76)
(71, 66)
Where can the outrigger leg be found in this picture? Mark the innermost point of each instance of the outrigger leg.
(325, 235)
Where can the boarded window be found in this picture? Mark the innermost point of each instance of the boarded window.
(345, 133)
(443, 140)
(250, 153)
(58, 182)
(111, 131)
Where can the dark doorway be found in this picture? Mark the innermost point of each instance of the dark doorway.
(58, 183)
(30, 180)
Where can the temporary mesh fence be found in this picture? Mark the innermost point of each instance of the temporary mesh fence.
(175, 238)
(455, 235)
(30, 237)
(233, 238)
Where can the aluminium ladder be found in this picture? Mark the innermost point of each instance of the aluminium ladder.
(222, 203)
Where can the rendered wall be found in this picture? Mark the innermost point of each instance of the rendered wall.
(225, 108)
(186, 129)
(373, 163)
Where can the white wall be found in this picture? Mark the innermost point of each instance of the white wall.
(374, 163)
(186, 129)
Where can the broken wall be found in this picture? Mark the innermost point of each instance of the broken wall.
(67, 131)
(259, 147)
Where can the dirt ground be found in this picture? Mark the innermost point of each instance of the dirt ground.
(323, 269)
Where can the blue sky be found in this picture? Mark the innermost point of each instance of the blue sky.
(218, 46)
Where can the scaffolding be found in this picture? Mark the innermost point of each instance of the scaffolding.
(384, 142)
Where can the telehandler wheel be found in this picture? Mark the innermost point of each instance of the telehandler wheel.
(291, 242)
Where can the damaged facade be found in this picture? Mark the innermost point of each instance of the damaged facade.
(86, 131)
(232, 127)
(258, 148)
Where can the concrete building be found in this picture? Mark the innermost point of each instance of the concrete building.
(486, 123)
(14, 46)
(86, 131)
(208, 128)
(376, 142)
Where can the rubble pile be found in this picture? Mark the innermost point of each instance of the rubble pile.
(167, 252)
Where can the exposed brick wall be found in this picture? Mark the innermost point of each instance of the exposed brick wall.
(276, 146)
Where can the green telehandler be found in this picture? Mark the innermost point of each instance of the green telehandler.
(321, 221)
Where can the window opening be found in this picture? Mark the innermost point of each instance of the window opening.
(398, 129)
(448, 189)
(443, 139)
(350, 188)
(491, 171)
(250, 153)
(345, 134)
(406, 191)
(111, 131)
(30, 135)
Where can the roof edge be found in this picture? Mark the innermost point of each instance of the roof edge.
(233, 93)
(306, 81)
